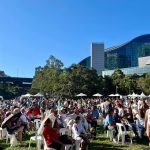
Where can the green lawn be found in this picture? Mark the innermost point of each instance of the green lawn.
(102, 143)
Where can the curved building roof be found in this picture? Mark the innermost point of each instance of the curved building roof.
(124, 55)
(139, 38)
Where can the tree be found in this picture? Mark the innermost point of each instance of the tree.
(81, 79)
(117, 78)
(108, 86)
(53, 62)
(129, 84)
(47, 78)
(144, 82)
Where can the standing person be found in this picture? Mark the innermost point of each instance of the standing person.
(107, 107)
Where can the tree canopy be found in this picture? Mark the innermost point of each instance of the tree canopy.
(56, 81)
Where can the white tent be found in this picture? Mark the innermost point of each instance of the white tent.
(142, 95)
(133, 95)
(38, 95)
(81, 94)
(97, 95)
(27, 95)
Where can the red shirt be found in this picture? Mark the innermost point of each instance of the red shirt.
(50, 133)
(34, 111)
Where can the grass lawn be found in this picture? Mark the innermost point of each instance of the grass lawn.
(102, 143)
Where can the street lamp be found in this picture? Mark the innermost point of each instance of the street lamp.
(41, 81)
(116, 89)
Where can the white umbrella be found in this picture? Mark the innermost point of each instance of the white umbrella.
(81, 94)
(111, 95)
(117, 94)
(38, 95)
(98, 95)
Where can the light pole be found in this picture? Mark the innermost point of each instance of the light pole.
(116, 89)
(41, 81)
(129, 90)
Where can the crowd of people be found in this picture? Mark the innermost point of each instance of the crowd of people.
(80, 116)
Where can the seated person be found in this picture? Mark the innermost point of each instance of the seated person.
(23, 117)
(140, 123)
(80, 133)
(13, 126)
(52, 137)
(128, 120)
(91, 120)
(116, 117)
(109, 123)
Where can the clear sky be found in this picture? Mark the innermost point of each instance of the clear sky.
(32, 30)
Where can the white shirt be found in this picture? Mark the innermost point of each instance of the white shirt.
(77, 129)
(148, 116)
(24, 118)
(120, 112)
(139, 104)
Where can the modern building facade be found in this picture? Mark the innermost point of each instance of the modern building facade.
(97, 57)
(135, 53)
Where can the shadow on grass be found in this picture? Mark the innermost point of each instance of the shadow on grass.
(26, 140)
(98, 146)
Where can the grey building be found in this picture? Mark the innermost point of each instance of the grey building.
(97, 57)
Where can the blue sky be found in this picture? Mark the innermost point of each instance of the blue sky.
(32, 30)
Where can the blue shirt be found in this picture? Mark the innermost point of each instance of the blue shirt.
(108, 120)
(95, 113)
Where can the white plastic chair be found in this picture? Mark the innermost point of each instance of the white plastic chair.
(3, 133)
(122, 132)
(110, 134)
(46, 147)
(38, 139)
(37, 123)
(77, 141)
(66, 131)
(9, 136)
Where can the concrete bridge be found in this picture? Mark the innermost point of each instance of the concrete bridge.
(17, 80)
